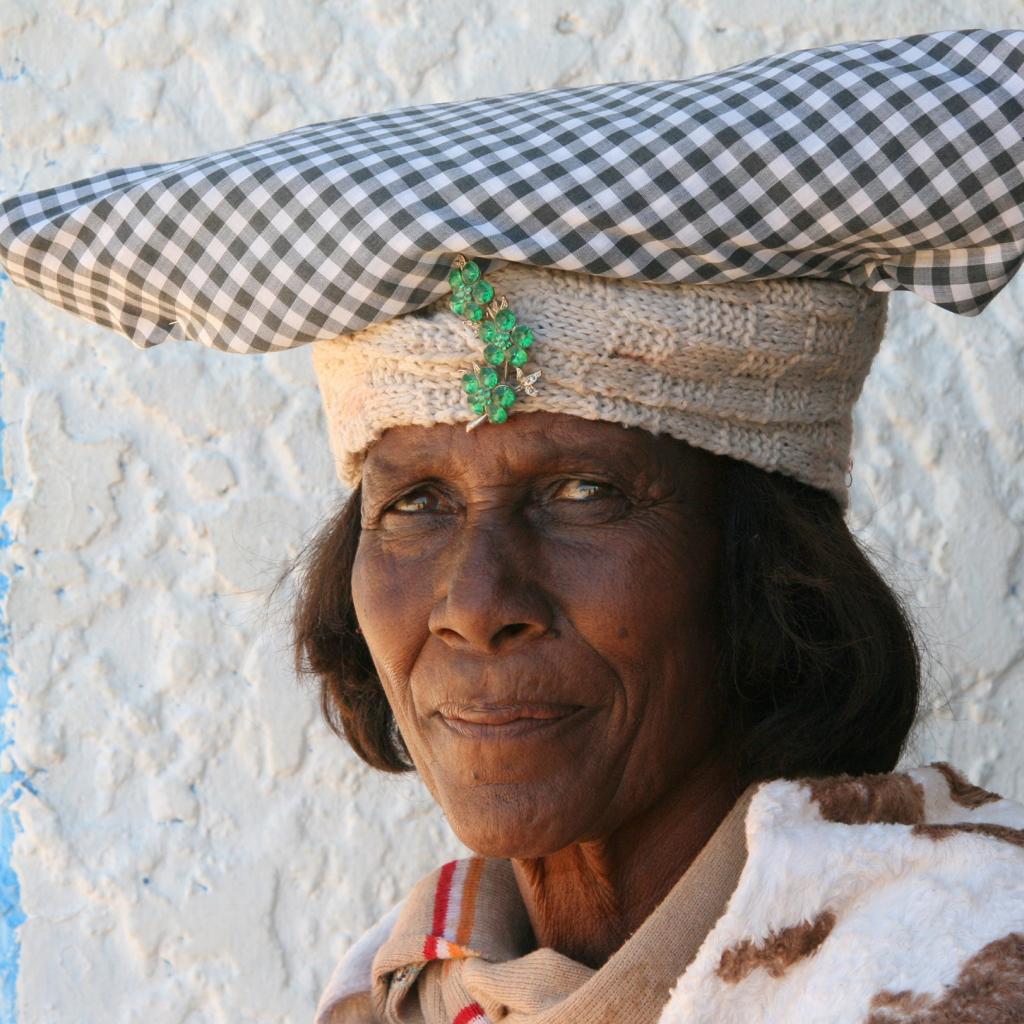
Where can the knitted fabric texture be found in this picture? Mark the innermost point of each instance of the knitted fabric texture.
(766, 371)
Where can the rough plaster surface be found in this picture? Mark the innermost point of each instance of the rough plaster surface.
(195, 848)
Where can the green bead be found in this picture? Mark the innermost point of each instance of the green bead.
(523, 336)
(474, 312)
(506, 319)
(470, 273)
(483, 291)
(479, 407)
(462, 292)
(504, 396)
(488, 332)
(455, 279)
(489, 377)
(519, 357)
(470, 383)
(494, 354)
(458, 307)
(496, 414)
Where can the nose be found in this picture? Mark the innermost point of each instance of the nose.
(491, 601)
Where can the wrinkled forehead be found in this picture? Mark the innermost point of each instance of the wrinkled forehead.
(530, 445)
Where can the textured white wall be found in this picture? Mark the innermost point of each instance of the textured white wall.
(196, 848)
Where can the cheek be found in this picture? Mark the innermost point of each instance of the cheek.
(392, 602)
(648, 606)
(647, 595)
(679, 633)
(676, 608)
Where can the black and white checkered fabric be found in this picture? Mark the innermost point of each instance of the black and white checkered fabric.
(893, 165)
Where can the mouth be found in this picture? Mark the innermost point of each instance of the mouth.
(506, 721)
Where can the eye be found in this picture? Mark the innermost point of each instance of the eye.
(421, 500)
(584, 490)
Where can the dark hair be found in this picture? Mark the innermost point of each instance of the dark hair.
(819, 670)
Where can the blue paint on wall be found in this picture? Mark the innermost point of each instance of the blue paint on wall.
(11, 778)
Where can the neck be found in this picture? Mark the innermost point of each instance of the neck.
(585, 900)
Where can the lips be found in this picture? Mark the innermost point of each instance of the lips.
(506, 721)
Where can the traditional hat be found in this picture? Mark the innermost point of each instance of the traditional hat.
(708, 257)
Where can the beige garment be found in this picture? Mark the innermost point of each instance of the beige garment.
(488, 972)
(763, 371)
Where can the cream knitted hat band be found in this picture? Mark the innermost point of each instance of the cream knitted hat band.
(765, 371)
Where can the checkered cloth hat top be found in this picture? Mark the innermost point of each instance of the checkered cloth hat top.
(886, 165)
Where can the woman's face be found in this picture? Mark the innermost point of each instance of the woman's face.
(539, 600)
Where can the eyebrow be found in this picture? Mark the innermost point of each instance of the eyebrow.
(547, 456)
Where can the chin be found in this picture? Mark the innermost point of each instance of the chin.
(504, 822)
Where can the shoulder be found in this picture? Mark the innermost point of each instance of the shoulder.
(350, 981)
(892, 898)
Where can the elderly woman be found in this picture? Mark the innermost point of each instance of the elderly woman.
(595, 642)
(588, 360)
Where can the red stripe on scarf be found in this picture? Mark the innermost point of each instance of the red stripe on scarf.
(470, 1013)
(441, 897)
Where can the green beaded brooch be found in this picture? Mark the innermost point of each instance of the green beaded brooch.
(492, 390)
